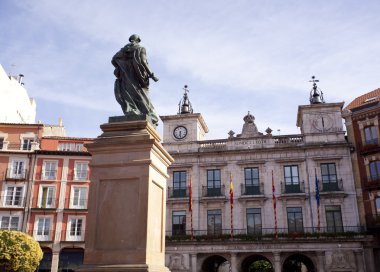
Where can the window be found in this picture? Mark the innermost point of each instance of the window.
(78, 197)
(81, 170)
(13, 196)
(329, 177)
(50, 170)
(17, 170)
(213, 183)
(254, 221)
(43, 229)
(1, 143)
(47, 197)
(377, 205)
(370, 134)
(27, 143)
(67, 146)
(295, 220)
(76, 228)
(374, 169)
(9, 222)
(291, 179)
(179, 184)
(179, 223)
(214, 222)
(252, 186)
(334, 219)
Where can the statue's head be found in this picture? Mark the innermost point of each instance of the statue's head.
(135, 38)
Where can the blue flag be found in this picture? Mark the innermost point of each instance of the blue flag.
(317, 190)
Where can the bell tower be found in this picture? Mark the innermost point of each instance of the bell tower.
(320, 119)
(185, 126)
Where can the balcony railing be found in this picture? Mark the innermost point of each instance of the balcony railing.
(72, 235)
(247, 190)
(342, 232)
(16, 175)
(293, 188)
(12, 202)
(44, 203)
(331, 186)
(178, 192)
(373, 221)
(42, 235)
(213, 191)
(372, 182)
(75, 203)
(6, 146)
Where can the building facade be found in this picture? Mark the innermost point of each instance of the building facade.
(44, 185)
(293, 197)
(362, 121)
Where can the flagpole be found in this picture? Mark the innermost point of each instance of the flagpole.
(317, 197)
(232, 206)
(274, 208)
(191, 208)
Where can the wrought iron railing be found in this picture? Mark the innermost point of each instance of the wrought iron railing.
(16, 174)
(247, 190)
(213, 191)
(178, 192)
(341, 232)
(331, 186)
(295, 188)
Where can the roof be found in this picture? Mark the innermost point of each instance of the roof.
(367, 98)
(68, 138)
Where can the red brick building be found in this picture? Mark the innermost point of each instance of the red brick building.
(362, 117)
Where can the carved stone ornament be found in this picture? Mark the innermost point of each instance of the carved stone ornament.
(176, 263)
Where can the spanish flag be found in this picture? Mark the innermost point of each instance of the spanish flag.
(231, 192)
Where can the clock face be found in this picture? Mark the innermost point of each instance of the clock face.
(180, 132)
(322, 123)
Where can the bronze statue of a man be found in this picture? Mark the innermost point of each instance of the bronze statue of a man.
(132, 80)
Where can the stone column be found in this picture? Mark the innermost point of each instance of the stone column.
(125, 228)
(277, 262)
(233, 263)
(54, 261)
(321, 261)
(193, 261)
(359, 260)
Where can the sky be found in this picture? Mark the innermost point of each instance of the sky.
(235, 56)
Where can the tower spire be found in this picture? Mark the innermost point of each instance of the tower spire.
(184, 105)
(316, 95)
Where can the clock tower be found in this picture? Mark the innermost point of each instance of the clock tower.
(185, 126)
(319, 119)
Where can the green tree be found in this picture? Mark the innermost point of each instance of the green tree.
(19, 252)
(261, 266)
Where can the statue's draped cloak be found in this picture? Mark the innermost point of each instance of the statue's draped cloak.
(132, 83)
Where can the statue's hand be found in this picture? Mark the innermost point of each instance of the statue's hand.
(154, 78)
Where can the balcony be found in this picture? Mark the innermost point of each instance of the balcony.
(178, 192)
(30, 147)
(268, 234)
(44, 203)
(213, 191)
(12, 202)
(75, 203)
(371, 183)
(42, 235)
(79, 176)
(251, 190)
(331, 186)
(373, 221)
(72, 235)
(293, 188)
(47, 175)
(20, 174)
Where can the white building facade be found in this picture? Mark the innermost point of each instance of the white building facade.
(15, 104)
(294, 199)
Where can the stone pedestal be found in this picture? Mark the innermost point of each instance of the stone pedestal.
(125, 229)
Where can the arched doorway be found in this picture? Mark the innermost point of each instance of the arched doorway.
(214, 263)
(45, 263)
(256, 263)
(298, 263)
(70, 259)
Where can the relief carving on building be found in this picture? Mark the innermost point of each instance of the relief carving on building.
(340, 260)
(177, 263)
